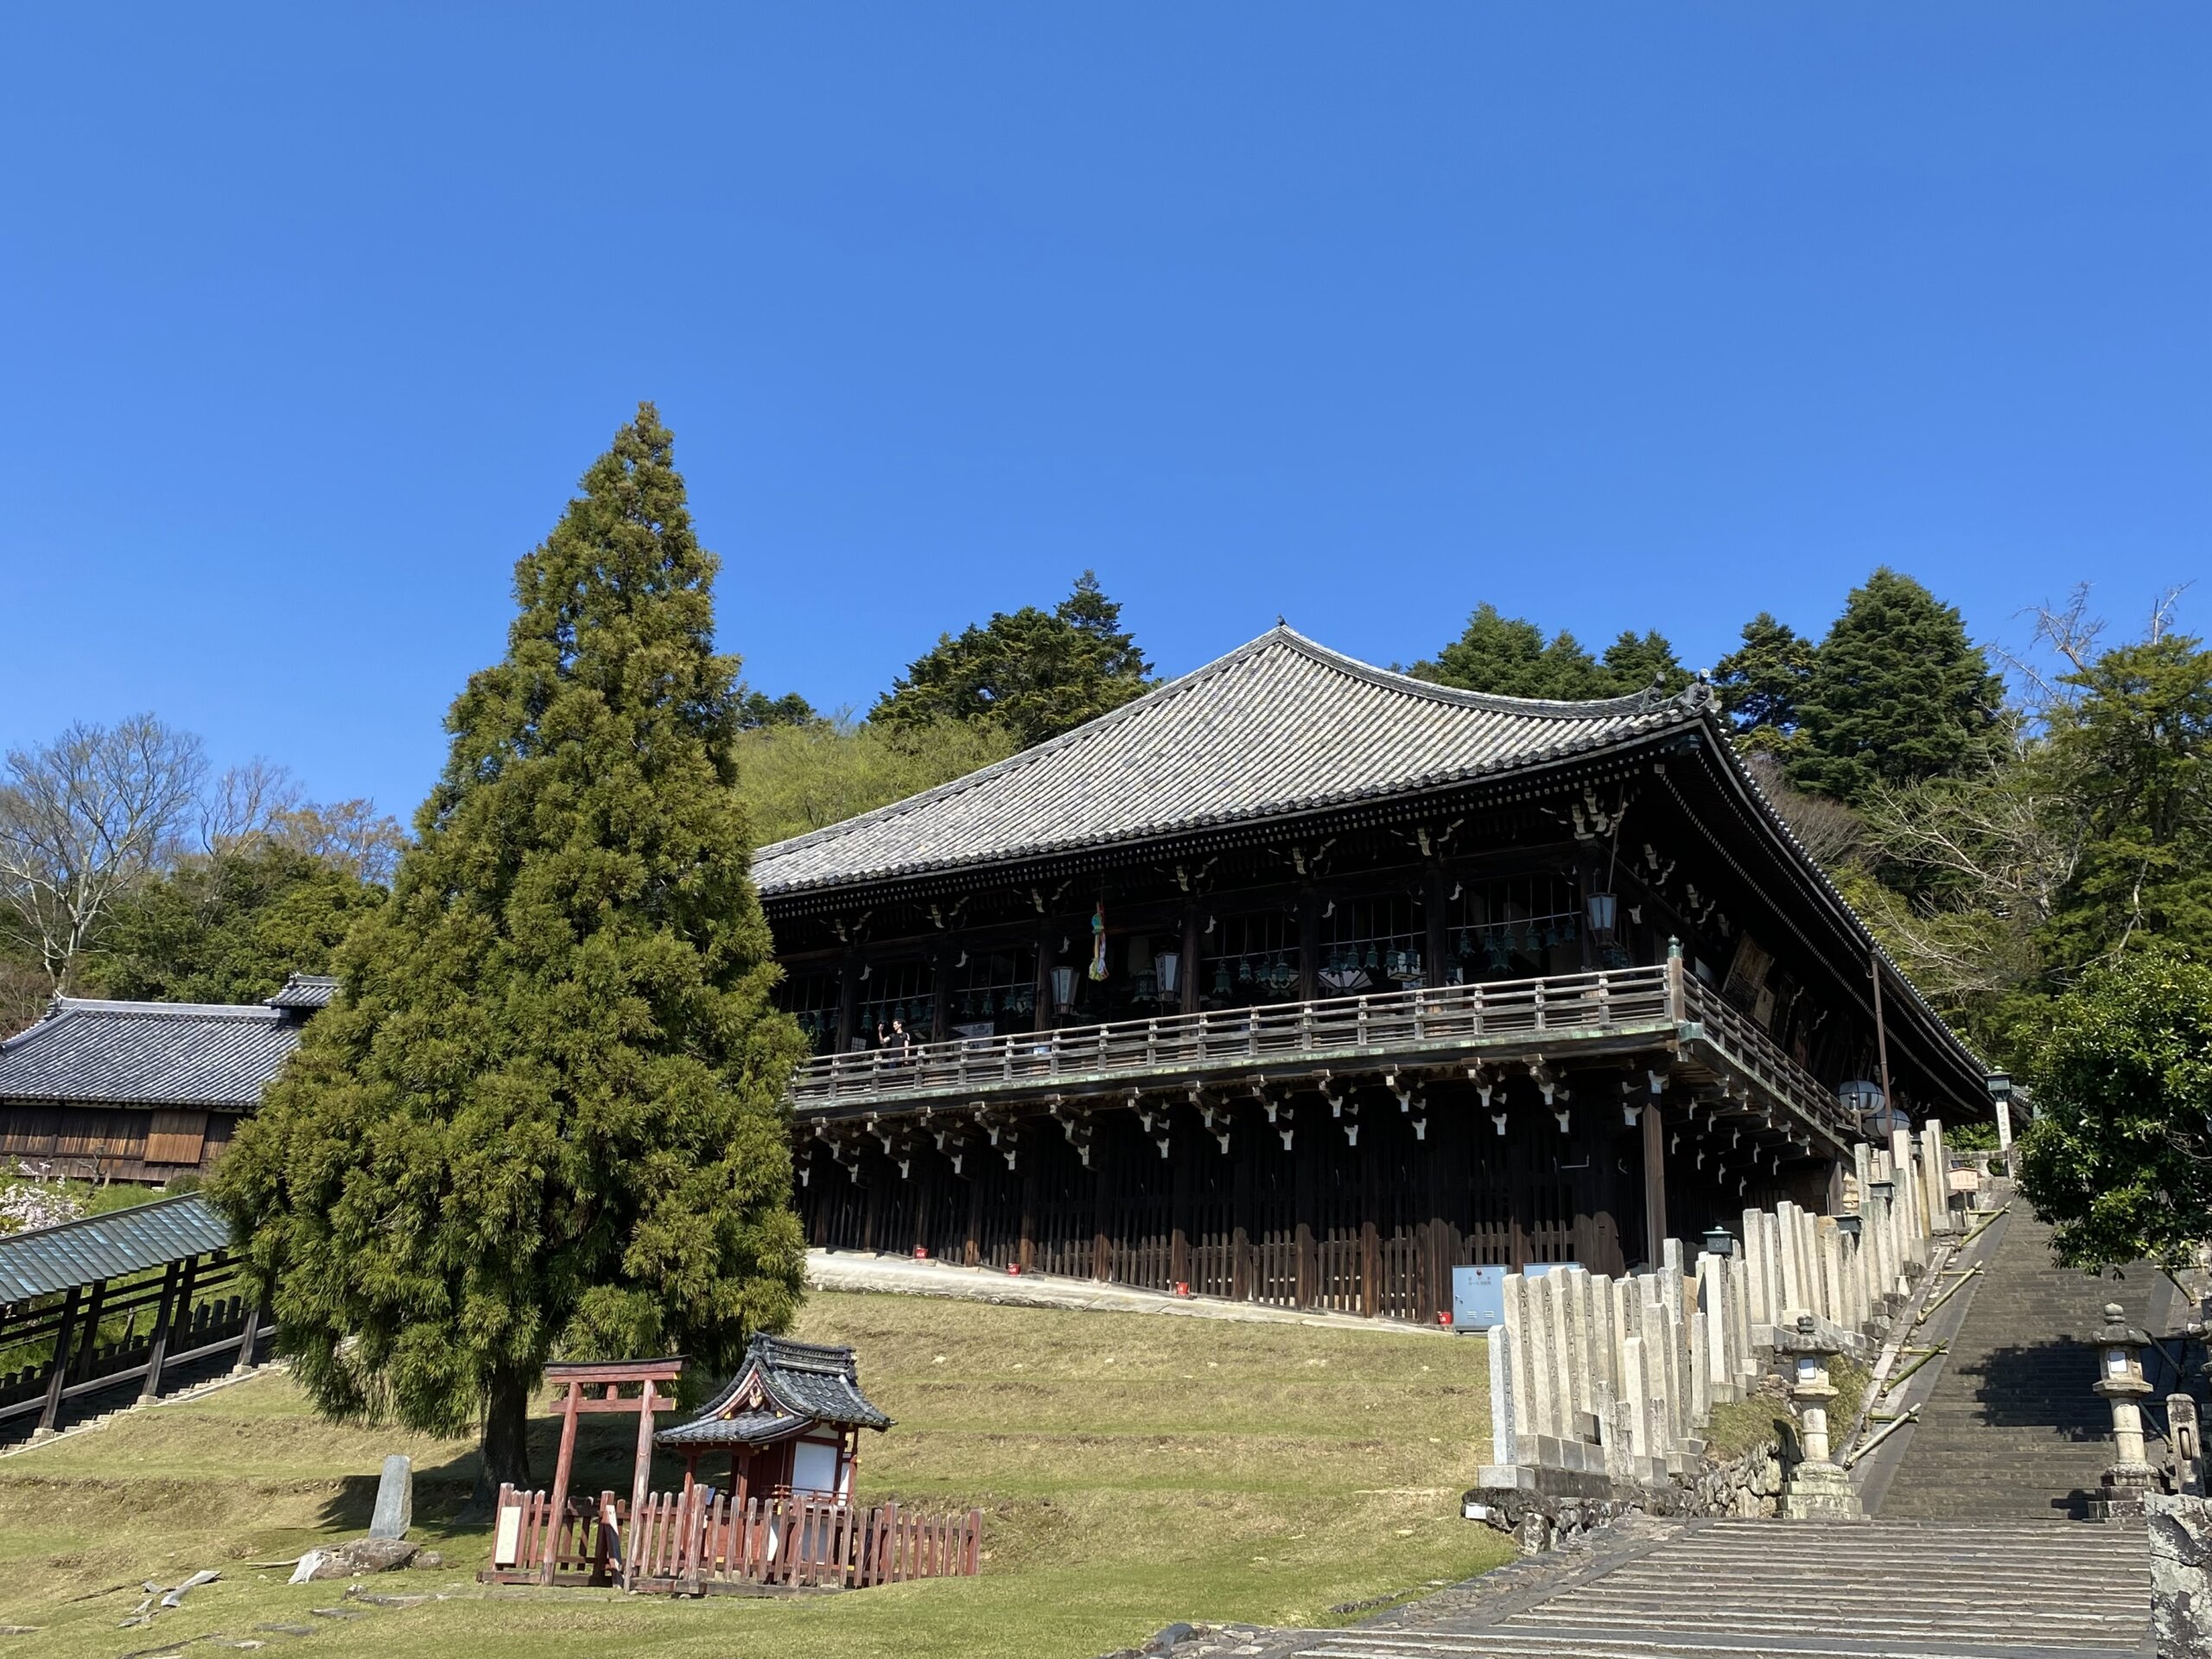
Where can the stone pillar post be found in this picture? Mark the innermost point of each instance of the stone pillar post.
(1938, 1176)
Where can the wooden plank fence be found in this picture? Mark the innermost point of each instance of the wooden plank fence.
(702, 1542)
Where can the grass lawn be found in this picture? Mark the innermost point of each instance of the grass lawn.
(1133, 1469)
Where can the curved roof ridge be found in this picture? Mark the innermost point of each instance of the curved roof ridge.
(1634, 703)
(1282, 635)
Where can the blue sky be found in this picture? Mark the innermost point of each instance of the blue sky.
(1616, 315)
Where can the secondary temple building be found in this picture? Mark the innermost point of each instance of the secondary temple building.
(1303, 982)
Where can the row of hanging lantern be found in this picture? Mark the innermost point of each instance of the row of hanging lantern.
(1000, 999)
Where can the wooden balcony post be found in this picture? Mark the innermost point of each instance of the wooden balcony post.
(1677, 993)
(57, 1371)
(158, 1349)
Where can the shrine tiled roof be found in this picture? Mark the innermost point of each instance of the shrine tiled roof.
(1279, 726)
(148, 1053)
(799, 1383)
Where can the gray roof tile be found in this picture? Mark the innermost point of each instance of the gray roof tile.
(1281, 724)
(78, 1252)
(147, 1053)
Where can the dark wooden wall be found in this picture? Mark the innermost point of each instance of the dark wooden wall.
(1374, 1229)
(122, 1143)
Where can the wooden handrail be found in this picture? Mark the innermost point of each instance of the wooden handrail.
(1660, 997)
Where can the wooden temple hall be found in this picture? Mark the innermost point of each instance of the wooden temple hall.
(1303, 982)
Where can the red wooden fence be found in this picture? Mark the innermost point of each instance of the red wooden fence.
(694, 1544)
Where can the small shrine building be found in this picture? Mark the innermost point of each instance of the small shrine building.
(790, 1422)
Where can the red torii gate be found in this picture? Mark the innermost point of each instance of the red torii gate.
(610, 1377)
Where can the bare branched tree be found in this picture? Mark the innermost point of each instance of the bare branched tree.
(243, 802)
(82, 819)
(1828, 829)
(352, 835)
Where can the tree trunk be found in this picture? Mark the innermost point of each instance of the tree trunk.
(505, 1446)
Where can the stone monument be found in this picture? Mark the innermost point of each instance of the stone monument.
(395, 1510)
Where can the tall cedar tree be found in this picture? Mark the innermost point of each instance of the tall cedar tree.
(1896, 694)
(545, 1114)
(1510, 657)
(229, 927)
(1037, 673)
(1761, 683)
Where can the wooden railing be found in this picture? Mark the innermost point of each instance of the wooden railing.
(701, 1543)
(1442, 1017)
(1433, 1022)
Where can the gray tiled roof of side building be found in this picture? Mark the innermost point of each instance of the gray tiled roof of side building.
(306, 991)
(147, 1053)
(48, 1259)
(1279, 725)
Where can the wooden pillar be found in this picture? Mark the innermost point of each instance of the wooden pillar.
(1102, 1230)
(971, 1251)
(157, 1350)
(57, 1371)
(257, 1310)
(1193, 948)
(93, 1309)
(848, 994)
(1370, 1250)
(1047, 1016)
(1242, 1180)
(940, 994)
(1025, 1252)
(1655, 1185)
(1436, 916)
(641, 1475)
(1302, 1181)
(1309, 942)
(1179, 1204)
(563, 1461)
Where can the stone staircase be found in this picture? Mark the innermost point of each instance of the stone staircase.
(1863, 1590)
(2012, 1430)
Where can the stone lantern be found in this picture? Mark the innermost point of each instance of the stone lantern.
(1819, 1489)
(2118, 1349)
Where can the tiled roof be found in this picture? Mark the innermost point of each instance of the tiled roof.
(801, 1383)
(1281, 724)
(78, 1252)
(306, 991)
(147, 1053)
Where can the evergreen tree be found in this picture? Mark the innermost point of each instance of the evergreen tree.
(231, 926)
(1510, 657)
(2131, 762)
(1637, 661)
(757, 709)
(2119, 1159)
(546, 1116)
(1897, 693)
(1037, 673)
(1761, 684)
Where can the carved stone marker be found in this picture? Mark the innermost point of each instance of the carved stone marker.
(395, 1510)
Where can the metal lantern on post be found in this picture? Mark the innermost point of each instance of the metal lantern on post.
(1604, 909)
(1167, 975)
(1718, 1241)
(2120, 1381)
(1063, 988)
